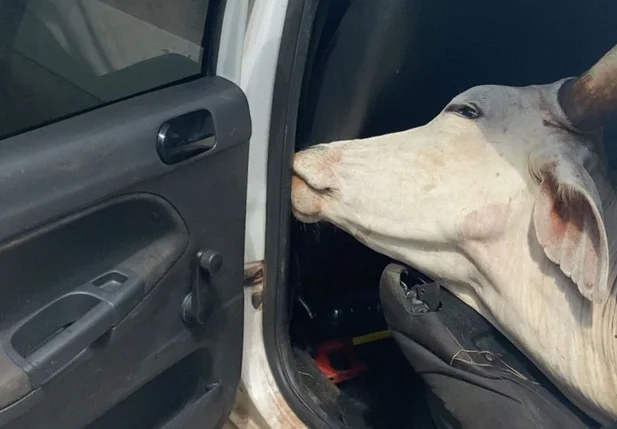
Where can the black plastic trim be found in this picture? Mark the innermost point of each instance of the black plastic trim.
(276, 315)
(205, 412)
(20, 407)
(33, 192)
(91, 310)
(212, 36)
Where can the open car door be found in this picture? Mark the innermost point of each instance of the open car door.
(123, 169)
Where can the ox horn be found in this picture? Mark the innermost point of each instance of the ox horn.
(590, 99)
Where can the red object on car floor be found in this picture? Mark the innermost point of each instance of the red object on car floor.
(337, 361)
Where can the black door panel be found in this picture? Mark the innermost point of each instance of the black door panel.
(99, 242)
(78, 161)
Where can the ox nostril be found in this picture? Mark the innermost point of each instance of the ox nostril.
(316, 167)
(306, 203)
(311, 183)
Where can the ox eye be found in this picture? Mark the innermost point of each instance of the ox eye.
(468, 111)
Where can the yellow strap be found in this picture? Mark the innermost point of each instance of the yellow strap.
(369, 338)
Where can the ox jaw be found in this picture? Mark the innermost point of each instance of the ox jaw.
(456, 201)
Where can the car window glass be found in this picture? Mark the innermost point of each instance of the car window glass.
(61, 57)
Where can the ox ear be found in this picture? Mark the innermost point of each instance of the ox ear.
(568, 221)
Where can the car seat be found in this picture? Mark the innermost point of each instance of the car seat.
(475, 378)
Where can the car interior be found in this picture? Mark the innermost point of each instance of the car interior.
(380, 67)
(101, 210)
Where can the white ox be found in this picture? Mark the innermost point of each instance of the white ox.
(504, 199)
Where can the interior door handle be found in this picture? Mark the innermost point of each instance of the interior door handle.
(45, 342)
(185, 136)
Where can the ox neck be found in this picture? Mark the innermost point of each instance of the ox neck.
(575, 337)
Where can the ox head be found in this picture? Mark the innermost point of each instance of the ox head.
(500, 170)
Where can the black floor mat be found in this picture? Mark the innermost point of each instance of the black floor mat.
(392, 393)
(388, 396)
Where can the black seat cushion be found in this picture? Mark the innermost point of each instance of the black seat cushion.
(475, 378)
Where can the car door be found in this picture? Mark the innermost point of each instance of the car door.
(123, 169)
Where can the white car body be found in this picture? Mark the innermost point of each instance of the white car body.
(260, 403)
